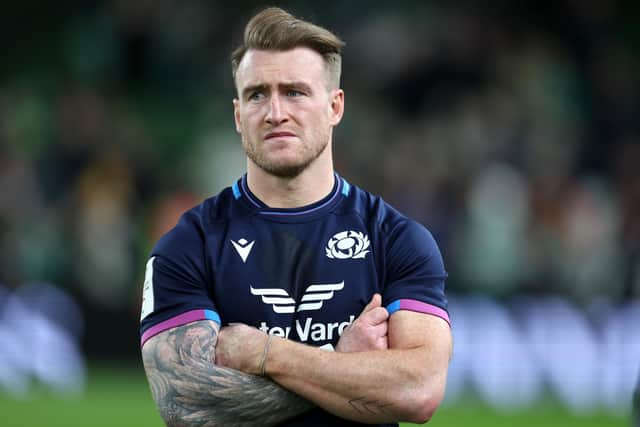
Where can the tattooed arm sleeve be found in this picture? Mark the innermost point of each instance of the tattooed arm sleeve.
(191, 390)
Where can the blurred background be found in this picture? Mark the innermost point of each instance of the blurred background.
(510, 129)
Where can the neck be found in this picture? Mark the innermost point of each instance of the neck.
(313, 184)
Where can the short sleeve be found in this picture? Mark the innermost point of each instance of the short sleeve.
(175, 289)
(415, 271)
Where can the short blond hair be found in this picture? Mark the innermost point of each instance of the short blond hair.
(275, 29)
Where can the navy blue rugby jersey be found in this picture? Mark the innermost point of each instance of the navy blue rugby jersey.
(304, 274)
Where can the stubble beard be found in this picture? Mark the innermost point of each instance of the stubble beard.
(281, 169)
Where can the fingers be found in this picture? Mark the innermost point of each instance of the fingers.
(376, 301)
(376, 316)
(382, 343)
(379, 330)
(373, 313)
(369, 331)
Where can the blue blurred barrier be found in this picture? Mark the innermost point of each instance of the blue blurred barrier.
(515, 354)
(40, 331)
(511, 354)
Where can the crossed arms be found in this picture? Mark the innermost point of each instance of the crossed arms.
(385, 369)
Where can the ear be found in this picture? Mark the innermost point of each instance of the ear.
(336, 107)
(236, 114)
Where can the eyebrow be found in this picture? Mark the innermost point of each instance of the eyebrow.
(286, 85)
(250, 89)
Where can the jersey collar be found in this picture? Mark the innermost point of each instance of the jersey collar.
(341, 189)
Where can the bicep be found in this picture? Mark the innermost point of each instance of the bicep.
(409, 330)
(425, 345)
(196, 337)
(175, 357)
(193, 342)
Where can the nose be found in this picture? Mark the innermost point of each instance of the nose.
(275, 115)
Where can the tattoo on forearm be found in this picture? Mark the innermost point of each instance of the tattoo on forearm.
(190, 390)
(363, 405)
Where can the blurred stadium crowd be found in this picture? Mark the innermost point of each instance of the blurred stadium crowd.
(512, 132)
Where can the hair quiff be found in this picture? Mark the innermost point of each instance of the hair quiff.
(276, 29)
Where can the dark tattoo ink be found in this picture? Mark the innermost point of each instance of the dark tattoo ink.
(190, 390)
(362, 405)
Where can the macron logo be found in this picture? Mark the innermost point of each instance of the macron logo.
(312, 299)
(243, 247)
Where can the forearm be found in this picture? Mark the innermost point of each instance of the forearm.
(191, 390)
(377, 386)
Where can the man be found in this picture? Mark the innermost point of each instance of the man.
(294, 298)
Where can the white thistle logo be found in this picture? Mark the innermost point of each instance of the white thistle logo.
(347, 244)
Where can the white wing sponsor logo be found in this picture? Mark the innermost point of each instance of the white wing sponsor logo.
(278, 298)
(315, 295)
(313, 298)
(348, 245)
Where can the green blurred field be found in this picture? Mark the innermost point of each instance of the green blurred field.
(118, 396)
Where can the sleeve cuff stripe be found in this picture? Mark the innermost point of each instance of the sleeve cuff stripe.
(182, 319)
(418, 306)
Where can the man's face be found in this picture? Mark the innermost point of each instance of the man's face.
(285, 110)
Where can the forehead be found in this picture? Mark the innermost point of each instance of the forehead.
(300, 64)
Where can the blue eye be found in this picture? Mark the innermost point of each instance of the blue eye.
(255, 96)
(293, 93)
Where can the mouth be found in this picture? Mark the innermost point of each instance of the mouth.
(272, 135)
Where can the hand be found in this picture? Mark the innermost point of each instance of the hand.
(369, 331)
(241, 347)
